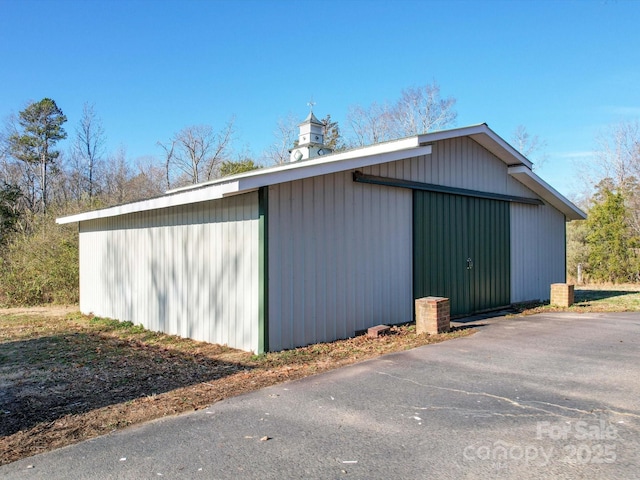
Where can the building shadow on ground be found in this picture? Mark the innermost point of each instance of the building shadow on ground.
(47, 378)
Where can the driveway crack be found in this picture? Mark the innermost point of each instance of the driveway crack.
(510, 401)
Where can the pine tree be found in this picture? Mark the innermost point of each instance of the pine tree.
(229, 167)
(612, 257)
(40, 129)
(332, 136)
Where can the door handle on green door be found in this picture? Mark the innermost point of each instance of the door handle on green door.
(469, 263)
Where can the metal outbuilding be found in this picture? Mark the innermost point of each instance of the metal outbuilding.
(318, 249)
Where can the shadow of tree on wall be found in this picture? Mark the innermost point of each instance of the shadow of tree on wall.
(47, 378)
(184, 271)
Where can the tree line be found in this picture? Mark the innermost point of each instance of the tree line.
(606, 246)
(38, 181)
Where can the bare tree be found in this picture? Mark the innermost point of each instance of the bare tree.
(168, 148)
(221, 150)
(194, 154)
(371, 124)
(618, 152)
(117, 176)
(285, 135)
(88, 147)
(531, 146)
(75, 185)
(618, 159)
(149, 179)
(421, 110)
(418, 110)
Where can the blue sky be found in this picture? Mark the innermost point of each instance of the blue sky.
(564, 69)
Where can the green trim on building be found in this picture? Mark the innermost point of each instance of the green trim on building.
(263, 273)
(360, 177)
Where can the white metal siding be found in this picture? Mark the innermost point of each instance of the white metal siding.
(190, 270)
(537, 251)
(340, 253)
(339, 259)
(458, 162)
(537, 232)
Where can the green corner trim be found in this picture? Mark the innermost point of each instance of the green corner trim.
(263, 272)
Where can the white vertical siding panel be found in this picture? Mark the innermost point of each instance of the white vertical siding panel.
(190, 270)
(340, 307)
(307, 253)
(151, 311)
(255, 280)
(277, 276)
(186, 272)
(226, 260)
(320, 253)
(175, 280)
(349, 247)
(189, 274)
(164, 269)
(460, 163)
(329, 250)
(198, 298)
(537, 251)
(215, 255)
(249, 311)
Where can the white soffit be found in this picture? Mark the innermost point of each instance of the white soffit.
(546, 192)
(251, 181)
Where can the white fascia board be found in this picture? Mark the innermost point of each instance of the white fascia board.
(313, 169)
(165, 201)
(486, 137)
(251, 181)
(546, 192)
(292, 168)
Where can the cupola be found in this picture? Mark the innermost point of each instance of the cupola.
(310, 140)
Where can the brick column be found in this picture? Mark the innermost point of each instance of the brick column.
(432, 315)
(561, 294)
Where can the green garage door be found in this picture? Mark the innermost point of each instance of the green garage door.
(461, 250)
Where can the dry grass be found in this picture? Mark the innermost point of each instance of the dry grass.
(65, 377)
(593, 298)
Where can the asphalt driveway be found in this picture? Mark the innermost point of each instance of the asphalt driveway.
(545, 396)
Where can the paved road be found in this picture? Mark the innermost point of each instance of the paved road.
(546, 396)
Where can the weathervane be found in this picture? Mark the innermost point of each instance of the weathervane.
(311, 104)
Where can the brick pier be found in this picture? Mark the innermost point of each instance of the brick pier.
(432, 315)
(561, 294)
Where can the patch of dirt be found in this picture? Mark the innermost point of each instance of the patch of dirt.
(65, 377)
(53, 311)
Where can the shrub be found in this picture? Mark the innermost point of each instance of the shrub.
(40, 265)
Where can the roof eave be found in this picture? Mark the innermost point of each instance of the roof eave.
(251, 181)
(518, 167)
(550, 195)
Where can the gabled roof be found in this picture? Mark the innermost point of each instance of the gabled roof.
(343, 161)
